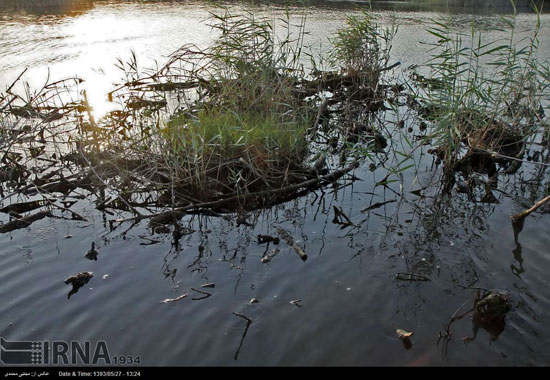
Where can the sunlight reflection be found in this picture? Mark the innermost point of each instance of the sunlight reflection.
(97, 87)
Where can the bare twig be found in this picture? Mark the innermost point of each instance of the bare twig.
(170, 300)
(202, 292)
(248, 323)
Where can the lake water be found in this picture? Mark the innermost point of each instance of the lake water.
(351, 300)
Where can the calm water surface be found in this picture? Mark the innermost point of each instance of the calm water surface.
(351, 302)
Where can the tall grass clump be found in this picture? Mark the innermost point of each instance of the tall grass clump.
(249, 113)
(484, 99)
(361, 49)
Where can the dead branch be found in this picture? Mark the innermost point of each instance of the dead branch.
(161, 218)
(525, 213)
(447, 327)
(290, 241)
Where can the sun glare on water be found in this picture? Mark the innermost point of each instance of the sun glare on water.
(96, 93)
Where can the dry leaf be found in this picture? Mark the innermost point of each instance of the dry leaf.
(403, 334)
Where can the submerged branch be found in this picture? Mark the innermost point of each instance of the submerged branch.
(23, 222)
(168, 216)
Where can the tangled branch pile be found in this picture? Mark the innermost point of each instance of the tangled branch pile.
(238, 126)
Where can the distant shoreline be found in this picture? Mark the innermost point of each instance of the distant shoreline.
(501, 5)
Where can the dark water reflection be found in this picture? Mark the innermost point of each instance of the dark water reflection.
(352, 300)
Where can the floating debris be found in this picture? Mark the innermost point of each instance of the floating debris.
(490, 309)
(405, 338)
(267, 239)
(268, 257)
(254, 300)
(402, 334)
(209, 285)
(296, 302)
(290, 241)
(77, 281)
(170, 300)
